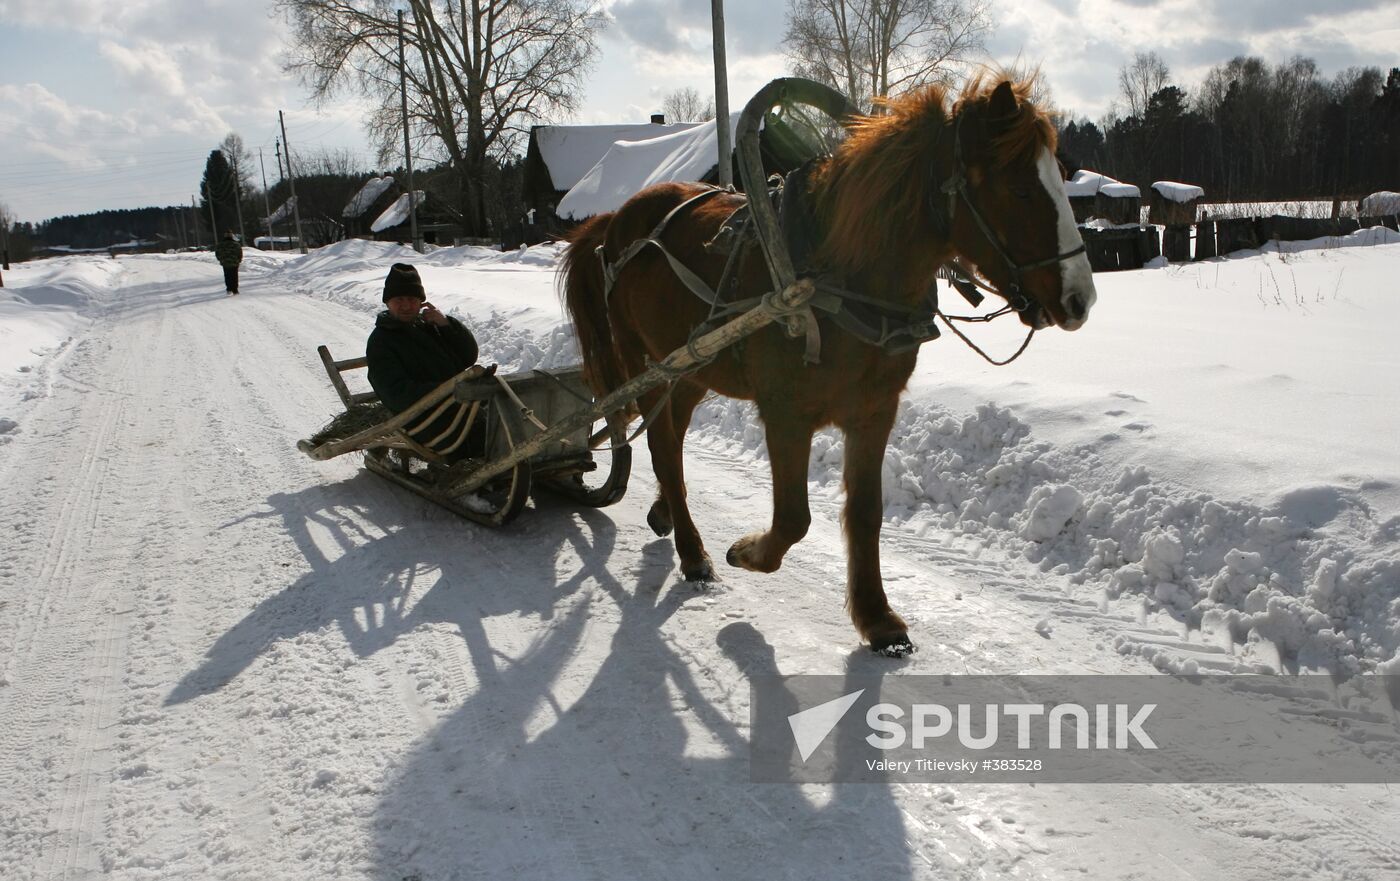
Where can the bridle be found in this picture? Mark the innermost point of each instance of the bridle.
(957, 185)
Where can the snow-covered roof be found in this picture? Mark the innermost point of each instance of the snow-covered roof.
(367, 196)
(1378, 204)
(1175, 192)
(1086, 182)
(569, 151)
(631, 166)
(396, 213)
(283, 212)
(1090, 183)
(1118, 190)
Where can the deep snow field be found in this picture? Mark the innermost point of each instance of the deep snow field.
(221, 659)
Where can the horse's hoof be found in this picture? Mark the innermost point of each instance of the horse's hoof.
(740, 554)
(894, 646)
(659, 521)
(703, 572)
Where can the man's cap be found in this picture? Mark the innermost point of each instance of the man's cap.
(403, 281)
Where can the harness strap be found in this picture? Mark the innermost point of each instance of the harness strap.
(689, 278)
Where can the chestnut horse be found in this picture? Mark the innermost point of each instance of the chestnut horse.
(905, 192)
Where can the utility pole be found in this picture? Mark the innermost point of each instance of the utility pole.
(281, 175)
(267, 206)
(4, 245)
(726, 150)
(407, 153)
(238, 199)
(194, 221)
(292, 183)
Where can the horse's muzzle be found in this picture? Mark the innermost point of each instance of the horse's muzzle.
(1076, 310)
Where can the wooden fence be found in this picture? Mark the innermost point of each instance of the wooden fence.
(1132, 247)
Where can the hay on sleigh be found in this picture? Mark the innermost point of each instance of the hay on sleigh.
(350, 423)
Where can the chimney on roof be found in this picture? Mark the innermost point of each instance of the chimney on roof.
(658, 119)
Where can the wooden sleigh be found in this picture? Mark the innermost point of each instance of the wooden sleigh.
(514, 410)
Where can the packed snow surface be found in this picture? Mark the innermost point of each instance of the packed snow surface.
(219, 659)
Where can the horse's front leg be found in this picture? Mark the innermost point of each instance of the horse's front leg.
(862, 518)
(667, 462)
(789, 449)
(684, 399)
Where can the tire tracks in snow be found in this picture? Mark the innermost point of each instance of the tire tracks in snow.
(68, 644)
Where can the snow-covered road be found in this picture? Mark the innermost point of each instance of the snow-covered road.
(222, 660)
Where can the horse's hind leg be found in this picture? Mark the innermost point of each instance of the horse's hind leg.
(664, 439)
(789, 449)
(681, 405)
(862, 518)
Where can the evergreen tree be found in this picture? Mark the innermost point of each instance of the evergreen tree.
(217, 187)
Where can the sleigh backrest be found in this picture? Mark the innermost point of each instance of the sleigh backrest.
(335, 368)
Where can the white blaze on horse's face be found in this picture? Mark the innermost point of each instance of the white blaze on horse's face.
(1076, 278)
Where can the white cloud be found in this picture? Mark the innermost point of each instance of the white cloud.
(148, 65)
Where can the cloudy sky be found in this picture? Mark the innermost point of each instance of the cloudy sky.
(116, 104)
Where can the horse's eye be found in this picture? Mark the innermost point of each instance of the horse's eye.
(1021, 192)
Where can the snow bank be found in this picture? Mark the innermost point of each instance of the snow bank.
(44, 306)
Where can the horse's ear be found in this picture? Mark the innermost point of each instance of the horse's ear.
(1003, 102)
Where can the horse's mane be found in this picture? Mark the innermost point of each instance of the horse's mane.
(1028, 131)
(875, 191)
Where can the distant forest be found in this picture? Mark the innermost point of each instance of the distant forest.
(1249, 132)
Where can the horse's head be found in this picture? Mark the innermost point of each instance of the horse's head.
(1006, 208)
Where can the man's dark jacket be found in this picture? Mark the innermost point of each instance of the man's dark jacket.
(406, 361)
(228, 252)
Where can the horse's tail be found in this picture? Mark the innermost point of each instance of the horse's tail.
(585, 296)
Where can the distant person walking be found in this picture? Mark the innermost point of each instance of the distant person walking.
(229, 254)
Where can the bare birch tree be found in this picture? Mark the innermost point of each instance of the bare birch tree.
(876, 48)
(1146, 75)
(684, 105)
(479, 73)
